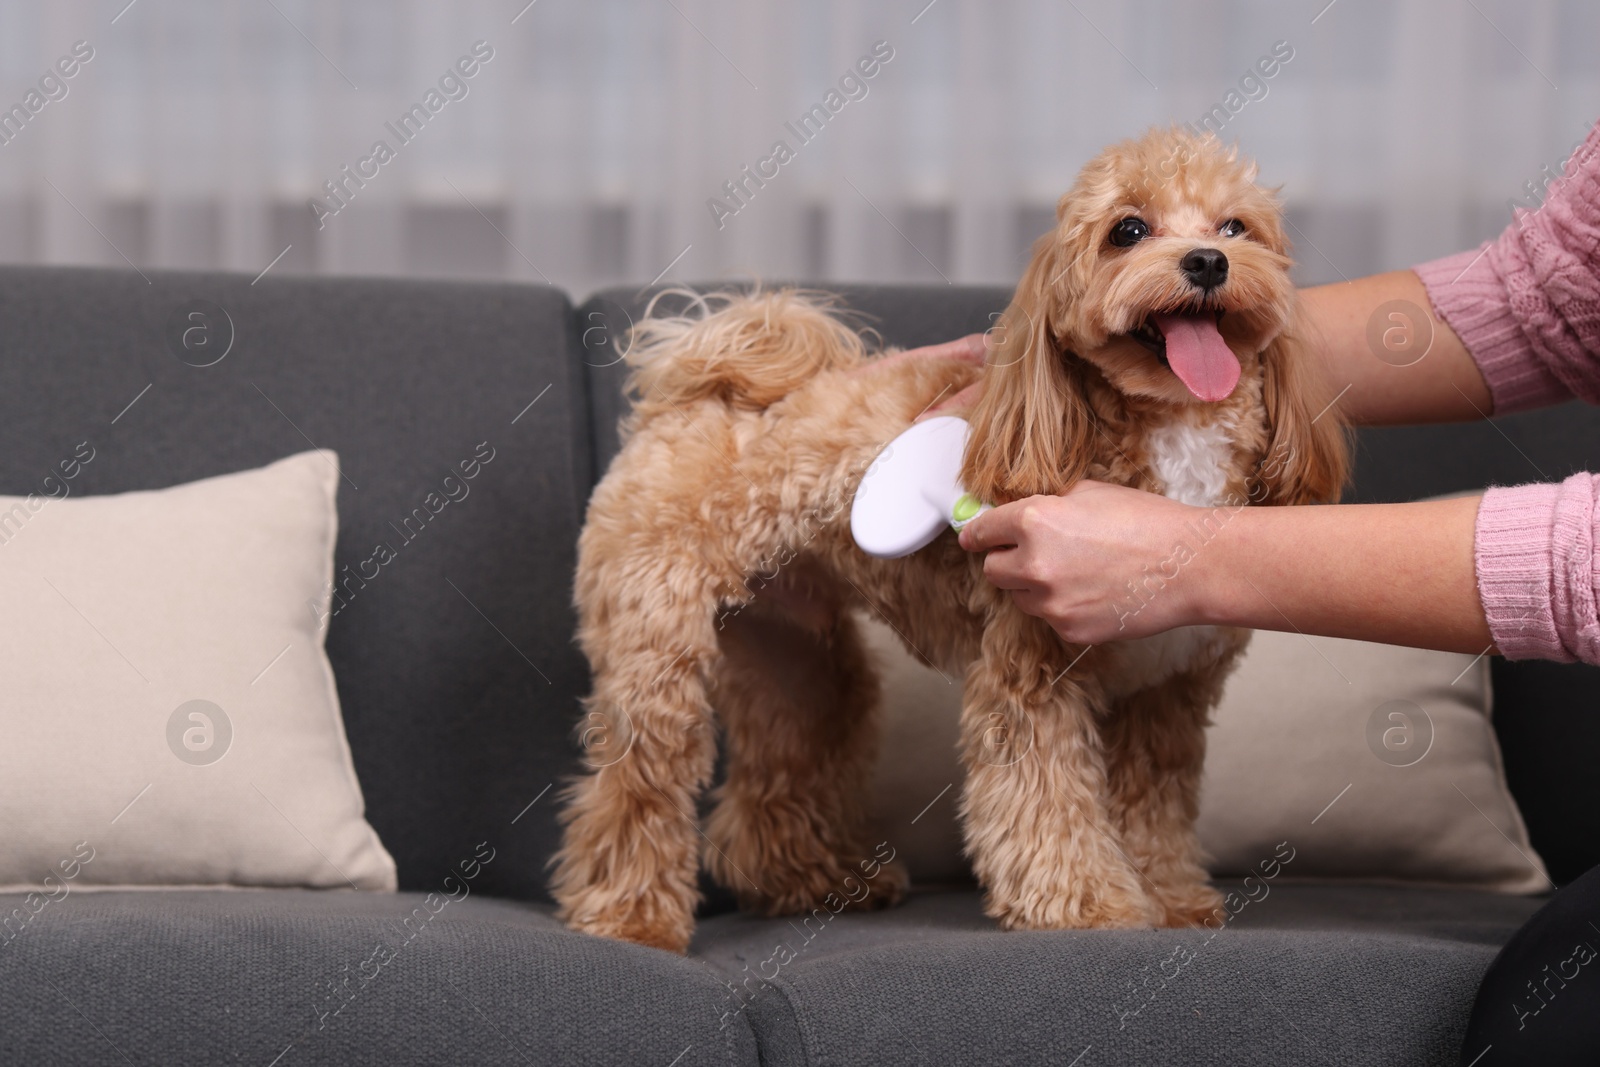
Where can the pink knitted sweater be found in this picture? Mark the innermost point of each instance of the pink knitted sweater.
(1527, 307)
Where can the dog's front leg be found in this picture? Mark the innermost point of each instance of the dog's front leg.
(1035, 808)
(1155, 743)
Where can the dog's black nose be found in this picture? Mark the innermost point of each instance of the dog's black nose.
(1207, 268)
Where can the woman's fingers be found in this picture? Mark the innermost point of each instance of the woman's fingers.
(997, 528)
(954, 405)
(972, 348)
(1004, 569)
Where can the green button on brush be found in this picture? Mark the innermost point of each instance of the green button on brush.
(966, 506)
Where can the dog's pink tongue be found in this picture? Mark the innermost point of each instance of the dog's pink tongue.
(1199, 356)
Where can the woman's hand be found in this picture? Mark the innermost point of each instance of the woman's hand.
(1105, 563)
(1098, 563)
(973, 348)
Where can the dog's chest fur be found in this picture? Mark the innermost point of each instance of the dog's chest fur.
(1193, 464)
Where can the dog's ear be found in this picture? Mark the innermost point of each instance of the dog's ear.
(1308, 447)
(1030, 432)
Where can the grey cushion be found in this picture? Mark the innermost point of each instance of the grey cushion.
(458, 712)
(1307, 974)
(244, 977)
(1547, 716)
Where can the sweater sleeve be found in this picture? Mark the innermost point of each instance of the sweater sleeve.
(1538, 575)
(1527, 304)
(1527, 308)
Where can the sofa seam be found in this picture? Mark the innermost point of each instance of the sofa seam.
(791, 1002)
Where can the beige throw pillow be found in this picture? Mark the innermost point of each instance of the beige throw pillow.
(1373, 762)
(169, 714)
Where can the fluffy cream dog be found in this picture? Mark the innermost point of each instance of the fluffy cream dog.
(1148, 345)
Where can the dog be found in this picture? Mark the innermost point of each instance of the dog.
(1149, 344)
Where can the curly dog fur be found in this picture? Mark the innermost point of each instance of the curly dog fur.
(716, 570)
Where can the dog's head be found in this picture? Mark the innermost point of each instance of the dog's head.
(1167, 275)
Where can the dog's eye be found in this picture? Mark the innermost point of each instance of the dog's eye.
(1130, 231)
(1231, 228)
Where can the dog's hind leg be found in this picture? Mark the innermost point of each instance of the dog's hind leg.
(1156, 744)
(1035, 810)
(629, 859)
(797, 698)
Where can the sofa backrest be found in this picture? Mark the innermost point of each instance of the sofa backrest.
(455, 664)
(456, 667)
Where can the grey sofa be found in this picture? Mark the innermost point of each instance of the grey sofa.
(460, 716)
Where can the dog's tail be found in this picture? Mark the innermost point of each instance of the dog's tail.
(746, 350)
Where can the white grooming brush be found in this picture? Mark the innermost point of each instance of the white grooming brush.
(911, 492)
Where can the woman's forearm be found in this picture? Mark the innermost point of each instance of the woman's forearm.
(1397, 573)
(1366, 333)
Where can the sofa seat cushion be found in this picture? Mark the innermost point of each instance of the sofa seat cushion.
(1304, 974)
(261, 976)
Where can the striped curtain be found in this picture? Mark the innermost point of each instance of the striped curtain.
(617, 141)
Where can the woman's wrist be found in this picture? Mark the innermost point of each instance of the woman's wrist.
(1219, 570)
(1397, 573)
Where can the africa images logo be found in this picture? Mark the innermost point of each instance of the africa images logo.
(852, 85)
(199, 732)
(454, 84)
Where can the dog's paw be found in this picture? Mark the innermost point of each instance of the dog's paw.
(1074, 907)
(835, 885)
(1188, 905)
(643, 916)
(886, 889)
(1094, 915)
(673, 937)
